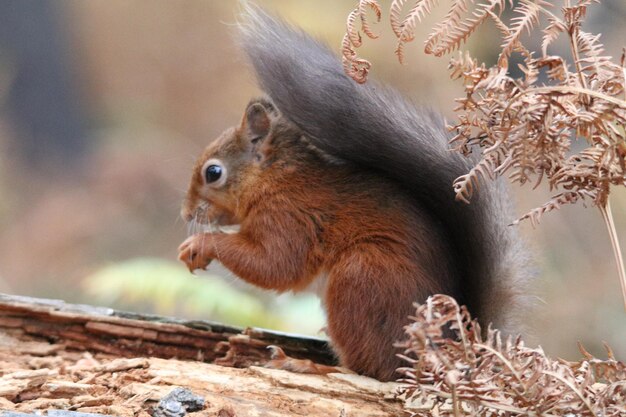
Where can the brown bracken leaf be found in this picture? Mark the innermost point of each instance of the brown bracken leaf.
(452, 365)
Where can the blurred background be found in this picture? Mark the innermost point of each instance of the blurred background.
(104, 106)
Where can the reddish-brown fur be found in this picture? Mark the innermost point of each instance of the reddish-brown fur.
(304, 216)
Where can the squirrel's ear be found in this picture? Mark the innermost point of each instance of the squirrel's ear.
(257, 121)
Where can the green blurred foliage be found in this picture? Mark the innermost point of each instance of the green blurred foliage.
(166, 287)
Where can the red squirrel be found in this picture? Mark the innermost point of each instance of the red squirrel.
(348, 188)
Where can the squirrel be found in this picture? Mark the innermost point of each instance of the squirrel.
(348, 188)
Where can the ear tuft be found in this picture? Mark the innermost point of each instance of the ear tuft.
(257, 121)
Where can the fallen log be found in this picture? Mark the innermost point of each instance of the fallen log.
(60, 356)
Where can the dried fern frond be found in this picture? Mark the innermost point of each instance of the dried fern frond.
(454, 29)
(453, 370)
(524, 126)
(404, 27)
(555, 203)
(528, 16)
(355, 67)
(555, 28)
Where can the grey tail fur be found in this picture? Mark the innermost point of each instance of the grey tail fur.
(373, 126)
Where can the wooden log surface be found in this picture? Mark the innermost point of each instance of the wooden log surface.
(99, 329)
(61, 356)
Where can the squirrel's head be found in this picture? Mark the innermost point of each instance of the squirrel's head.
(227, 166)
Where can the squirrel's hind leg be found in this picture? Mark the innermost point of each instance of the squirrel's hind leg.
(369, 298)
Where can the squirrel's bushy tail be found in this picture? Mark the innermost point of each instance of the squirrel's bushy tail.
(373, 126)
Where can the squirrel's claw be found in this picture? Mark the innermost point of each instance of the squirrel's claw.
(193, 253)
(280, 360)
(276, 352)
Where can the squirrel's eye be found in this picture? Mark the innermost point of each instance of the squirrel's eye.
(212, 173)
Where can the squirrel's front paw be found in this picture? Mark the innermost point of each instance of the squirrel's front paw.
(196, 251)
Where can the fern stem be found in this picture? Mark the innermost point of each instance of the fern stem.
(623, 64)
(617, 251)
(455, 402)
(573, 39)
